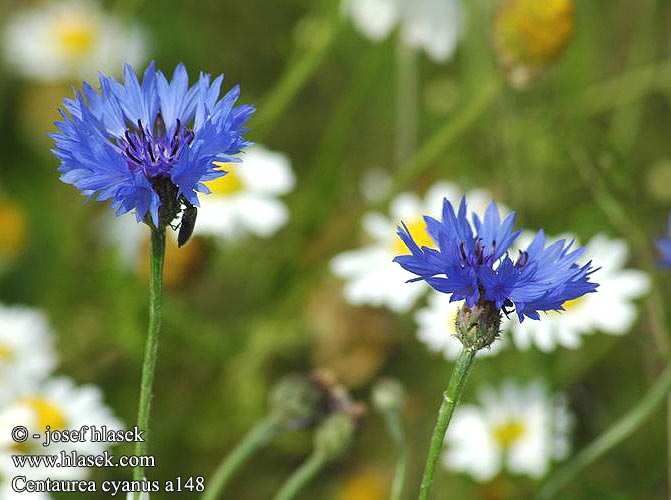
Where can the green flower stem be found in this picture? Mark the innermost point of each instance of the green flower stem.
(395, 426)
(303, 475)
(625, 88)
(619, 431)
(261, 434)
(156, 258)
(451, 398)
(444, 137)
(295, 78)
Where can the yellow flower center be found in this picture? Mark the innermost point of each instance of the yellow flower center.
(76, 35)
(5, 353)
(509, 432)
(570, 304)
(573, 303)
(13, 233)
(417, 229)
(228, 184)
(46, 413)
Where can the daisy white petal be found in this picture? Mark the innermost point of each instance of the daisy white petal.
(519, 428)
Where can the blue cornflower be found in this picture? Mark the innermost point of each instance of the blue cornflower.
(472, 263)
(664, 247)
(149, 146)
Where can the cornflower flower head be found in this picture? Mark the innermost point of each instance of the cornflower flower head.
(151, 145)
(472, 263)
(664, 247)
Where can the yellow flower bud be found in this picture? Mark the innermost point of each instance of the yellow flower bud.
(529, 35)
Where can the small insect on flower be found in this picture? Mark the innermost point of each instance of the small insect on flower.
(472, 263)
(613, 310)
(150, 146)
(187, 224)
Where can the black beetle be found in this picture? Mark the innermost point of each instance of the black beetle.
(187, 224)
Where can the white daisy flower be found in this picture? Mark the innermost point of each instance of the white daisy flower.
(61, 405)
(518, 428)
(27, 354)
(246, 199)
(8, 493)
(372, 278)
(436, 327)
(433, 25)
(70, 40)
(611, 310)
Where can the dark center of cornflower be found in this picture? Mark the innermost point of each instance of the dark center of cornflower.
(478, 256)
(154, 151)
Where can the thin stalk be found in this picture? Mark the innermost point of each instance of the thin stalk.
(619, 431)
(156, 258)
(295, 78)
(444, 137)
(628, 87)
(406, 101)
(262, 432)
(395, 427)
(299, 479)
(451, 398)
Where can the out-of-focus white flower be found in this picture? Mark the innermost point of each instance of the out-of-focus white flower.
(126, 235)
(375, 184)
(434, 25)
(371, 275)
(8, 493)
(436, 327)
(26, 349)
(133, 496)
(61, 405)
(246, 199)
(70, 40)
(609, 310)
(518, 428)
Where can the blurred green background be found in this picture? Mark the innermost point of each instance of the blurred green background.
(585, 148)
